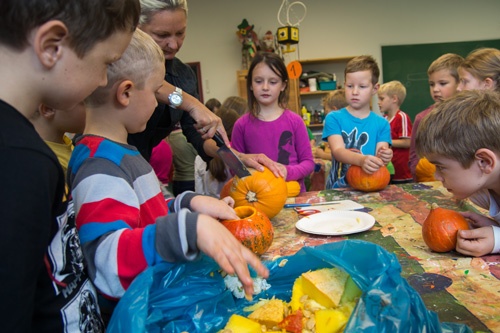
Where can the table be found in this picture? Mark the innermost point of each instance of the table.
(458, 288)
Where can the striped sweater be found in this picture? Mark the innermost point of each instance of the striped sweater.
(122, 216)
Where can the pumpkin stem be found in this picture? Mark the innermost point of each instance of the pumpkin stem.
(251, 196)
(434, 205)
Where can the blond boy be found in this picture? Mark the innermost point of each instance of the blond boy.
(443, 84)
(123, 219)
(356, 134)
(390, 97)
(460, 137)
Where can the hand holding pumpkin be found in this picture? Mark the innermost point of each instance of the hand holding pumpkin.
(371, 164)
(216, 241)
(477, 242)
(477, 220)
(385, 154)
(259, 161)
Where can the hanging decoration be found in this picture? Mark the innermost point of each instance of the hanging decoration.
(288, 33)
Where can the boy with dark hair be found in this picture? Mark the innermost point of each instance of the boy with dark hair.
(51, 52)
(356, 134)
(460, 137)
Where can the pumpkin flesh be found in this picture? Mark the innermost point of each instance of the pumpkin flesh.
(253, 229)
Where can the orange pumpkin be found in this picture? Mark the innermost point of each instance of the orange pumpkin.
(440, 228)
(425, 170)
(226, 189)
(262, 190)
(362, 181)
(253, 229)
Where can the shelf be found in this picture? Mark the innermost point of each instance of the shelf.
(318, 92)
(325, 61)
(315, 125)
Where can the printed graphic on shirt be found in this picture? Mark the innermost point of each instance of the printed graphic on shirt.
(65, 264)
(336, 178)
(285, 147)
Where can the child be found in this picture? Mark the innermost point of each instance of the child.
(53, 126)
(268, 127)
(480, 70)
(209, 179)
(334, 101)
(356, 134)
(121, 214)
(443, 83)
(390, 97)
(213, 104)
(237, 103)
(460, 137)
(58, 56)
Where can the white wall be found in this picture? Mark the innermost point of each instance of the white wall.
(332, 28)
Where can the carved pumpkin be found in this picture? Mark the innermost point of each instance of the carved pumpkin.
(424, 171)
(362, 181)
(253, 229)
(440, 228)
(262, 190)
(293, 188)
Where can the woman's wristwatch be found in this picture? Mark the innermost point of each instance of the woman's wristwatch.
(175, 98)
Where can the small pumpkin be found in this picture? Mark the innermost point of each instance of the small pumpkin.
(293, 188)
(440, 228)
(262, 190)
(362, 181)
(253, 229)
(425, 170)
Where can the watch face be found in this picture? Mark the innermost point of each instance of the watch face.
(176, 99)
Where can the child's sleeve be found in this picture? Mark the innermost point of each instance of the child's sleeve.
(237, 136)
(305, 162)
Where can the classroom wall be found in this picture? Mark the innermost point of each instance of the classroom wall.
(331, 28)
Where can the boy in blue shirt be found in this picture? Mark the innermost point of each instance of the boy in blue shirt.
(356, 134)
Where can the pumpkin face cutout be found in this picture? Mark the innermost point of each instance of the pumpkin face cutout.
(262, 190)
(440, 229)
(362, 181)
(253, 229)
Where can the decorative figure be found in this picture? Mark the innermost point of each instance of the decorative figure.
(268, 42)
(286, 36)
(250, 42)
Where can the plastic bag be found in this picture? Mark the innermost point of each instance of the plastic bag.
(192, 297)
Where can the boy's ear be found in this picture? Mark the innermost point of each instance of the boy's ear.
(489, 83)
(123, 92)
(48, 42)
(375, 88)
(486, 160)
(46, 112)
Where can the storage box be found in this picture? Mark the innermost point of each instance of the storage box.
(328, 85)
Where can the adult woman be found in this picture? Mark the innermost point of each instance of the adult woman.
(166, 22)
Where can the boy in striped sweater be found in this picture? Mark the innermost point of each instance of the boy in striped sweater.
(125, 223)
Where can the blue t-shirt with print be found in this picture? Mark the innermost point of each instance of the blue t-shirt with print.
(360, 135)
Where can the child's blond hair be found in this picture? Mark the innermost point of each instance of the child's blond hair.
(448, 61)
(334, 100)
(484, 63)
(460, 125)
(363, 63)
(142, 57)
(394, 88)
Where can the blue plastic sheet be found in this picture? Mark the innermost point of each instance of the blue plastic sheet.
(192, 297)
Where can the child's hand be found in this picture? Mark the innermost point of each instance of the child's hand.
(217, 242)
(371, 164)
(219, 209)
(476, 242)
(229, 201)
(385, 154)
(477, 220)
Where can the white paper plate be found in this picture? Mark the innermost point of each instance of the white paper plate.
(336, 223)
